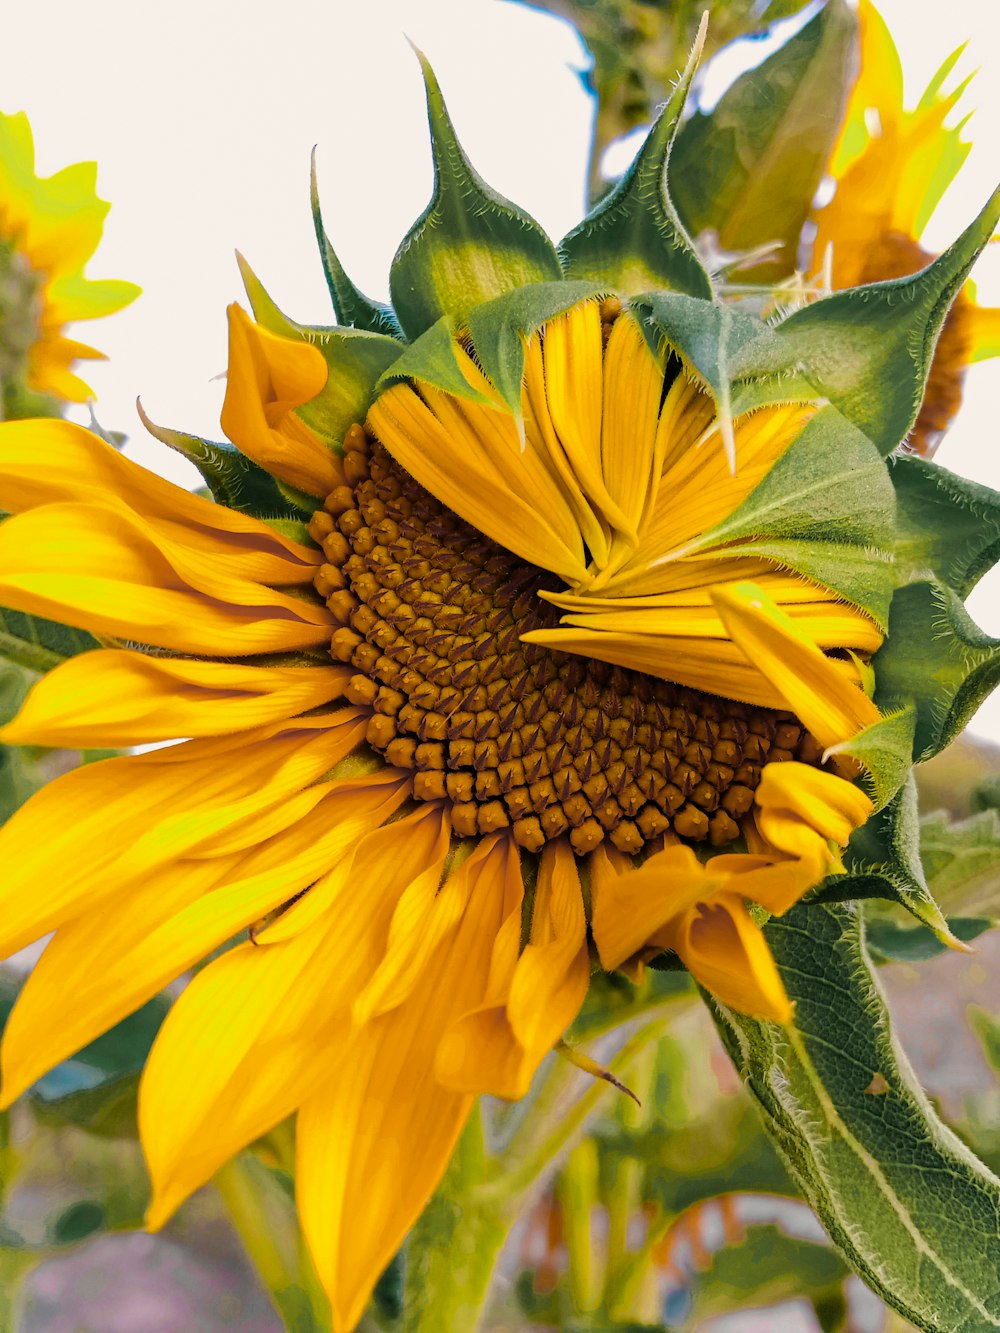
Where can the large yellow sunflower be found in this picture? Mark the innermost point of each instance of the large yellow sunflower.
(380, 805)
(534, 688)
(891, 168)
(49, 228)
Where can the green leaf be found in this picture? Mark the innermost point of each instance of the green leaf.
(893, 941)
(501, 327)
(907, 1203)
(356, 359)
(936, 658)
(350, 305)
(869, 349)
(232, 479)
(634, 239)
(766, 1268)
(962, 862)
(40, 644)
(469, 245)
(946, 526)
(987, 1028)
(96, 1089)
(749, 169)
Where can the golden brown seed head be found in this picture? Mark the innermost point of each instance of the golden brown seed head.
(513, 734)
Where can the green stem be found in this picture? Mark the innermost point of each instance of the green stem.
(454, 1246)
(577, 1186)
(530, 1152)
(263, 1216)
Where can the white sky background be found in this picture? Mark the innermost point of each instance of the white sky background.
(202, 117)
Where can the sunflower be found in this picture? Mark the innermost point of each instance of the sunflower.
(891, 168)
(547, 678)
(49, 228)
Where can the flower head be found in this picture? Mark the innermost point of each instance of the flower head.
(891, 168)
(565, 662)
(49, 228)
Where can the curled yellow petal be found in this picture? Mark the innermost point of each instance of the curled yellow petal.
(726, 952)
(268, 378)
(810, 684)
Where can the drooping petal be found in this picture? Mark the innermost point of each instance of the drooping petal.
(384, 1133)
(251, 1035)
(103, 827)
(629, 907)
(531, 999)
(100, 569)
(726, 952)
(810, 684)
(269, 376)
(803, 807)
(112, 697)
(50, 461)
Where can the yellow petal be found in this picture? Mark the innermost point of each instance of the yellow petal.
(773, 881)
(63, 1004)
(100, 569)
(724, 950)
(268, 378)
(154, 937)
(45, 462)
(573, 371)
(251, 1035)
(477, 470)
(827, 803)
(530, 999)
(629, 907)
(811, 684)
(101, 828)
(112, 697)
(383, 1133)
(698, 490)
(983, 325)
(542, 439)
(633, 384)
(424, 915)
(716, 666)
(552, 974)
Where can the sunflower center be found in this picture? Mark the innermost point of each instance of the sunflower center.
(516, 734)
